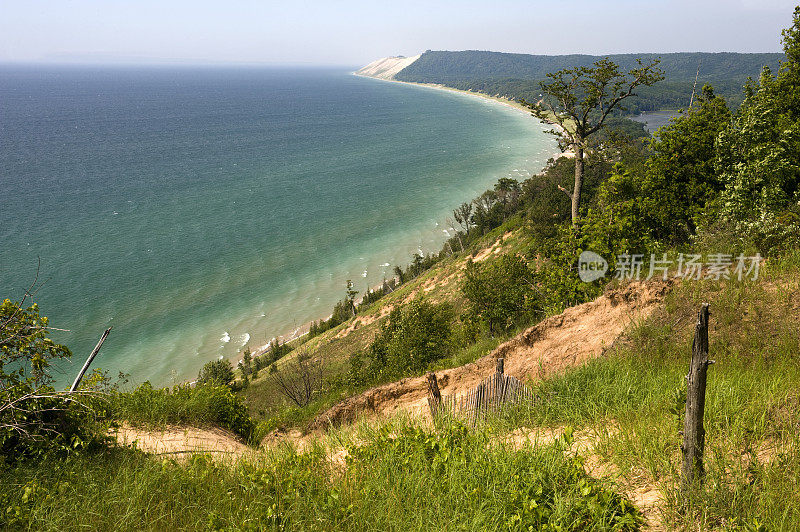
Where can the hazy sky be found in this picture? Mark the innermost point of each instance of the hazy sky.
(356, 32)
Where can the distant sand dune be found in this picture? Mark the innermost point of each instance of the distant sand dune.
(387, 67)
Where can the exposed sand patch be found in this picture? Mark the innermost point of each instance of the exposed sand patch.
(183, 441)
(387, 67)
(494, 249)
(560, 342)
(365, 320)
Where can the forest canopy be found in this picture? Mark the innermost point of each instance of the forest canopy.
(517, 76)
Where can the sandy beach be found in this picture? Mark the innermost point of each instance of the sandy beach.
(503, 101)
(383, 70)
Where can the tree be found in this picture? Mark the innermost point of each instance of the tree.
(457, 236)
(415, 335)
(579, 100)
(247, 361)
(216, 372)
(758, 155)
(350, 296)
(507, 190)
(463, 215)
(298, 378)
(246, 365)
(34, 417)
(680, 178)
(501, 292)
(398, 271)
(617, 222)
(486, 216)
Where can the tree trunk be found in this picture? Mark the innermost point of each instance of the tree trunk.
(576, 190)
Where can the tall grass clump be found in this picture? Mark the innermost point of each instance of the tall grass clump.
(458, 479)
(188, 405)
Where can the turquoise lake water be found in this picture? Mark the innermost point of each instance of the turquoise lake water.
(201, 210)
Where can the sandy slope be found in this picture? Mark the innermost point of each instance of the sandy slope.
(387, 67)
(560, 342)
(182, 441)
(567, 340)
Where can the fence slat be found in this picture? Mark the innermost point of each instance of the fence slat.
(491, 394)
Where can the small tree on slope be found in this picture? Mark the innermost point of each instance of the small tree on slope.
(578, 100)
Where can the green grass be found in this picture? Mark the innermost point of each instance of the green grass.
(752, 406)
(183, 405)
(402, 478)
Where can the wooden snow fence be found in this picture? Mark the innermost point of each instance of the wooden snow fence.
(489, 396)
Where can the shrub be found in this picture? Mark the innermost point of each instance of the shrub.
(501, 292)
(414, 336)
(218, 372)
(34, 417)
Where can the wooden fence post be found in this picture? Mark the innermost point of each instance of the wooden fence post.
(694, 434)
(434, 395)
(500, 366)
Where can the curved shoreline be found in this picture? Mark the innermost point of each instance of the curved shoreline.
(438, 86)
(513, 104)
(304, 329)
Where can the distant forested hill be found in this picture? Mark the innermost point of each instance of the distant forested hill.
(517, 75)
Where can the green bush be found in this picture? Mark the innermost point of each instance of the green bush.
(561, 287)
(415, 335)
(501, 292)
(216, 372)
(35, 419)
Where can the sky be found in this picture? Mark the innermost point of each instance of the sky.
(356, 32)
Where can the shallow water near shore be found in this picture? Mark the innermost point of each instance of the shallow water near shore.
(200, 210)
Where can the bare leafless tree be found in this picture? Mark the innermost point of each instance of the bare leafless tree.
(298, 378)
(452, 225)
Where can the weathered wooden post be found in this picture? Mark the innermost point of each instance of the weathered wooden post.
(694, 434)
(434, 395)
(498, 393)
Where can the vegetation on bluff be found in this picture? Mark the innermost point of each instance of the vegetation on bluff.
(517, 76)
(712, 181)
(646, 197)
